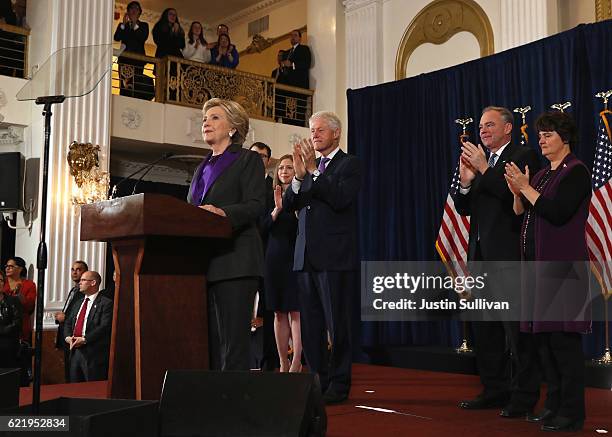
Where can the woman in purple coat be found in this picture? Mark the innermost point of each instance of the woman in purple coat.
(555, 280)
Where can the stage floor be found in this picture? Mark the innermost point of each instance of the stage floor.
(413, 402)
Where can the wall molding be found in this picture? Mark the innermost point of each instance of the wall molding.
(438, 22)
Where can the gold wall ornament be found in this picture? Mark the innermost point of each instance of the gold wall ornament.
(259, 44)
(82, 158)
(90, 183)
(603, 10)
(438, 22)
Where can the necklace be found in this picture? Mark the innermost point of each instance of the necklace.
(539, 188)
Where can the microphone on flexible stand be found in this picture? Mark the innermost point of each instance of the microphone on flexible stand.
(163, 158)
(146, 168)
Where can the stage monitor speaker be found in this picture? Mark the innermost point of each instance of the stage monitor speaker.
(12, 167)
(9, 388)
(255, 404)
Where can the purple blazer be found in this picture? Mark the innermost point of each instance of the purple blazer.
(557, 283)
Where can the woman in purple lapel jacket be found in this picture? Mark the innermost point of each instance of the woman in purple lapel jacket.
(229, 183)
(555, 279)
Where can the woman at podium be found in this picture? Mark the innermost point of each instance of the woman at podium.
(228, 183)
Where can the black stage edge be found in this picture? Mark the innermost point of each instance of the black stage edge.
(441, 359)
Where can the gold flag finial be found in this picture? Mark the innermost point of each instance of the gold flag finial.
(605, 95)
(464, 122)
(523, 112)
(561, 106)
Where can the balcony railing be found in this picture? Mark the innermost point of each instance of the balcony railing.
(188, 83)
(13, 51)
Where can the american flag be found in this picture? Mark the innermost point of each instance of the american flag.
(454, 233)
(524, 135)
(599, 224)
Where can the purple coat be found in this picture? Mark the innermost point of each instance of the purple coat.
(557, 283)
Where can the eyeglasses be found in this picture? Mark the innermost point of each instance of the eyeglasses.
(9, 266)
(86, 280)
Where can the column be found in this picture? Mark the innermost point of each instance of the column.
(57, 24)
(524, 21)
(364, 42)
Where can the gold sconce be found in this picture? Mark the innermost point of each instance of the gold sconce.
(90, 183)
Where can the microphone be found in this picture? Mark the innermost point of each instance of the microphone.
(150, 167)
(146, 168)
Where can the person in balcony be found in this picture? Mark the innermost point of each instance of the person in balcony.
(225, 53)
(133, 33)
(7, 14)
(196, 48)
(169, 35)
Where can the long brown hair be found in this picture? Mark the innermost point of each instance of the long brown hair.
(276, 180)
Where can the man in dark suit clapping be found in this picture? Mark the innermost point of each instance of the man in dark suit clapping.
(324, 191)
(494, 238)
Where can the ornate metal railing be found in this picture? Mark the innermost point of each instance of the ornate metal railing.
(188, 83)
(139, 76)
(13, 50)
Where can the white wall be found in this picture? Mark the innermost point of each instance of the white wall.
(461, 47)
(284, 17)
(158, 123)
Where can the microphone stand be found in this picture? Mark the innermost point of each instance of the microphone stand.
(147, 167)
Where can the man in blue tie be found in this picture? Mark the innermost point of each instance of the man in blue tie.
(324, 191)
(502, 354)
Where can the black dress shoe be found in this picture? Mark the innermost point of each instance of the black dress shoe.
(561, 423)
(481, 403)
(512, 412)
(331, 397)
(542, 417)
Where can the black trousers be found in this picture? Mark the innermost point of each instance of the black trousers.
(80, 371)
(506, 363)
(504, 356)
(325, 306)
(230, 308)
(562, 360)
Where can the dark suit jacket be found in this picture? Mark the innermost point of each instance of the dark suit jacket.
(134, 40)
(168, 42)
(327, 219)
(489, 203)
(73, 300)
(301, 58)
(240, 192)
(97, 334)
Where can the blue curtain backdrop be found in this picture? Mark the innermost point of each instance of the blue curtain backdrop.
(405, 134)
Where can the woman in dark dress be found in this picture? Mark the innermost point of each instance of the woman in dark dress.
(555, 280)
(280, 279)
(169, 35)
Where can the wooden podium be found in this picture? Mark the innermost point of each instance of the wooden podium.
(160, 319)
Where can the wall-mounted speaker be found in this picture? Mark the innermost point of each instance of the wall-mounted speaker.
(12, 166)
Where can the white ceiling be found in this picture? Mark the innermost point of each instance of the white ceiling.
(206, 11)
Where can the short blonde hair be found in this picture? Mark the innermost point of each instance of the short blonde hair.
(236, 116)
(332, 119)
